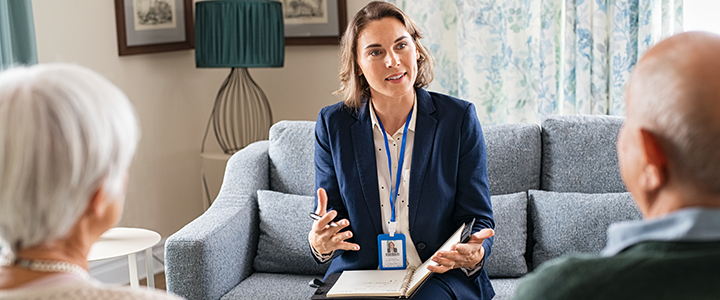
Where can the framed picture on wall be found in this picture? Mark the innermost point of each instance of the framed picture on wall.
(148, 26)
(314, 22)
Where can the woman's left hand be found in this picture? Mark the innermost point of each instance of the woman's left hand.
(461, 255)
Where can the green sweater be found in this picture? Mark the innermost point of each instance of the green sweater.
(648, 270)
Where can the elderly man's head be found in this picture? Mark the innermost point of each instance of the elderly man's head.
(66, 136)
(669, 147)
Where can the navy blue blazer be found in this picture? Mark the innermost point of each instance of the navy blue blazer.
(448, 182)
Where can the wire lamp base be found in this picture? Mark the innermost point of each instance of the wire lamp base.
(241, 114)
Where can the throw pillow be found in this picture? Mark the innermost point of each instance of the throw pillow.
(507, 258)
(284, 225)
(567, 223)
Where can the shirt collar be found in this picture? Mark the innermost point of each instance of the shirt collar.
(411, 126)
(685, 225)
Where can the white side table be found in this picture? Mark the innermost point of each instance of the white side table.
(122, 241)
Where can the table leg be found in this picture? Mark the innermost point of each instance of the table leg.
(149, 268)
(132, 262)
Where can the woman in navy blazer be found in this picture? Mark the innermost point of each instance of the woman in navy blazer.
(384, 65)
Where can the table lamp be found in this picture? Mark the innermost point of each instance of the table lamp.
(239, 34)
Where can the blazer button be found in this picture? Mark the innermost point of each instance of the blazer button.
(421, 246)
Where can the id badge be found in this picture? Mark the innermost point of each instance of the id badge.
(391, 251)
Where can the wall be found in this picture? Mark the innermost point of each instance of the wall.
(173, 100)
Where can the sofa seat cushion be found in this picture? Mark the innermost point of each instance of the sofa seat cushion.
(284, 225)
(565, 223)
(273, 286)
(507, 258)
(504, 287)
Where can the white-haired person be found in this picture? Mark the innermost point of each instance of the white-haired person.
(67, 137)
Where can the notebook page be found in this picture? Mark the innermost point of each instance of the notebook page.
(368, 283)
(422, 271)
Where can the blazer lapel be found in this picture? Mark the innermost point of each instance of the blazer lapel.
(422, 149)
(366, 164)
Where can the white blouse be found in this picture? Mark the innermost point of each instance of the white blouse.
(386, 181)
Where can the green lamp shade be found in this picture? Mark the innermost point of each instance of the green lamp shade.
(243, 34)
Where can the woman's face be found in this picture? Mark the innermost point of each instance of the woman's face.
(387, 56)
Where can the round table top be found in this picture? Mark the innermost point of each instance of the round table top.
(122, 241)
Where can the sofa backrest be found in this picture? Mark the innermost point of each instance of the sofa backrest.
(579, 154)
(513, 152)
(292, 154)
(575, 153)
(513, 157)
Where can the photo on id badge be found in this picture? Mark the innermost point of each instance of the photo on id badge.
(392, 253)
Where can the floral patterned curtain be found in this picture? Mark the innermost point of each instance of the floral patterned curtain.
(523, 60)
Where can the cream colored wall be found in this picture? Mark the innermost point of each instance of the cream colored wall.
(173, 100)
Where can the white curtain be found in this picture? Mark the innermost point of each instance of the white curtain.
(523, 60)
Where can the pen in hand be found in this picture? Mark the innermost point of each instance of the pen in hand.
(317, 217)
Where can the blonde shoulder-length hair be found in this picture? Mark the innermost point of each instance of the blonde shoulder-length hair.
(354, 89)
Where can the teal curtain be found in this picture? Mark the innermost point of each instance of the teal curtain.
(523, 60)
(17, 34)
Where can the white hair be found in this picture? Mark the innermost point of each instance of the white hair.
(65, 132)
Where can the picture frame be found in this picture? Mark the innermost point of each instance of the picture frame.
(151, 26)
(305, 27)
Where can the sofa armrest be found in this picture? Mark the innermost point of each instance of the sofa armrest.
(215, 252)
(212, 254)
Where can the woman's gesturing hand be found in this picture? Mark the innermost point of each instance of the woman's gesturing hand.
(325, 238)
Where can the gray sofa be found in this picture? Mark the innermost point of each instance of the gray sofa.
(555, 189)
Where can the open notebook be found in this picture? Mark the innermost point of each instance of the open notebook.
(391, 283)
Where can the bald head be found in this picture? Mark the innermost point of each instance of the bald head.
(674, 93)
(684, 68)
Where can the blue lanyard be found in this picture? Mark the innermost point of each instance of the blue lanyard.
(393, 193)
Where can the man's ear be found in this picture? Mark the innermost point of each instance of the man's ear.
(654, 173)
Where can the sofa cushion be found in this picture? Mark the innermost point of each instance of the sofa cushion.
(507, 258)
(272, 286)
(579, 154)
(504, 288)
(513, 157)
(284, 225)
(565, 223)
(292, 154)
